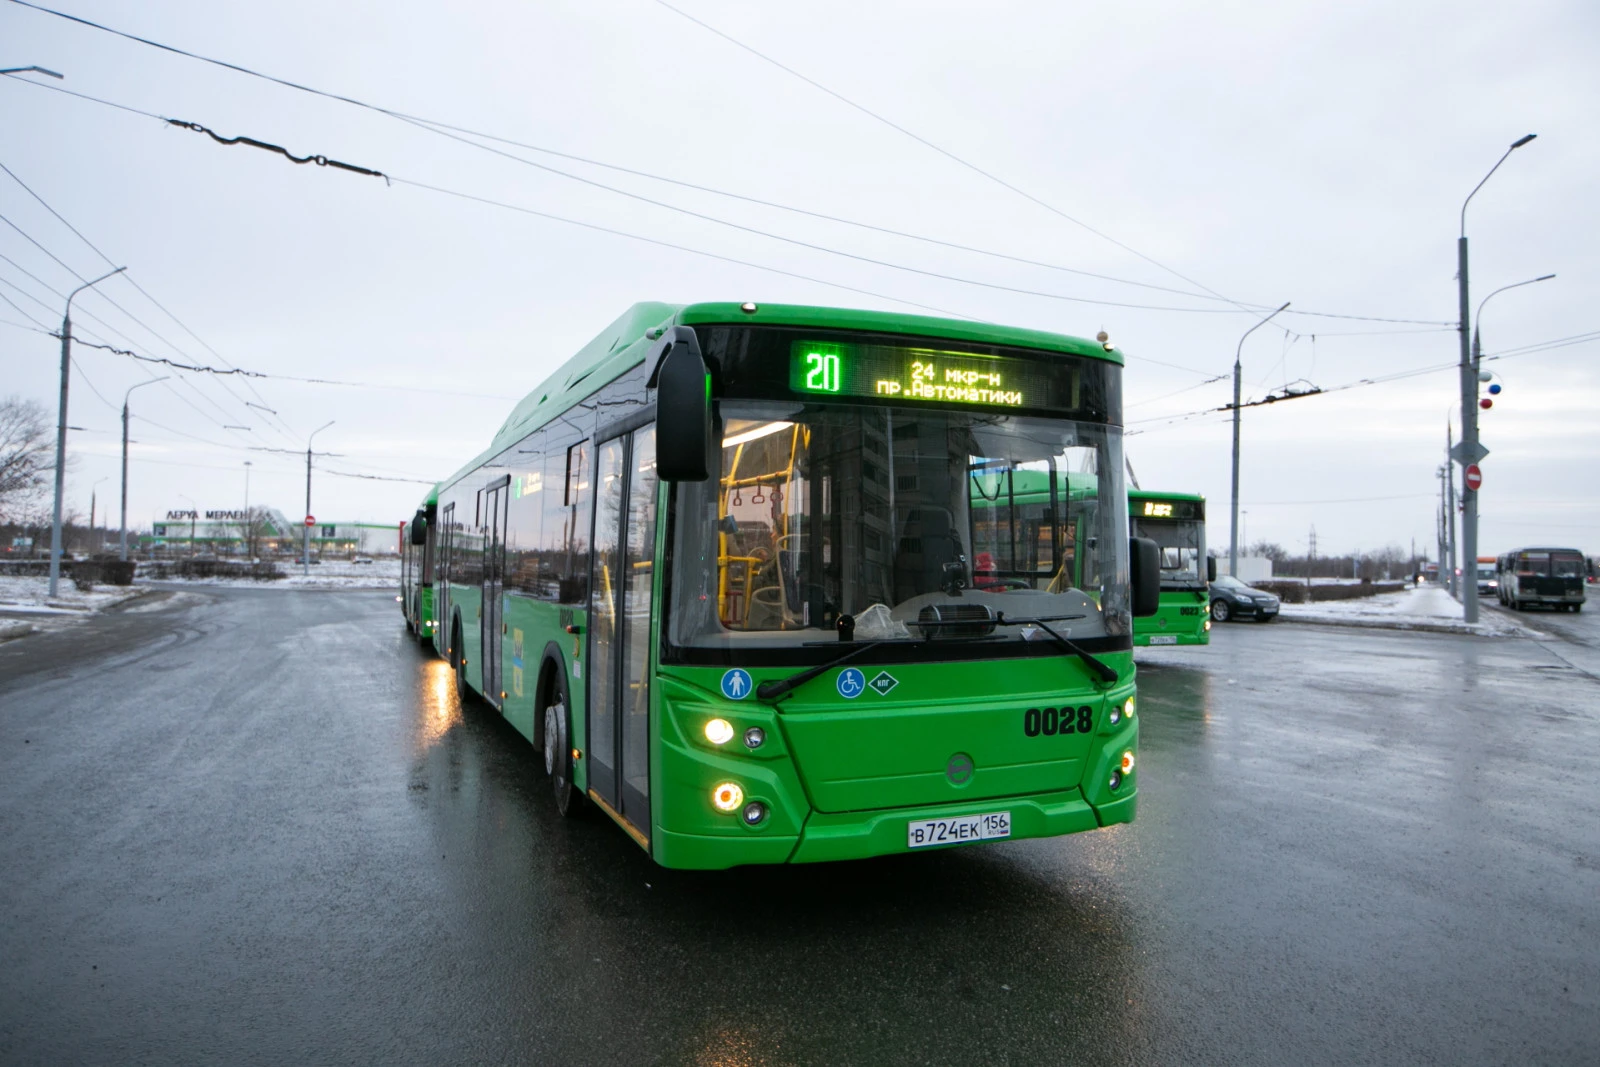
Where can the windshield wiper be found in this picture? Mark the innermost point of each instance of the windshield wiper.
(774, 689)
(1099, 667)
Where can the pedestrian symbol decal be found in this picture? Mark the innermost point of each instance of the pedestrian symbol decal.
(851, 683)
(884, 682)
(736, 684)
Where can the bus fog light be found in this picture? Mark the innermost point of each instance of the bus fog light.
(1116, 779)
(755, 813)
(719, 731)
(1127, 763)
(1114, 716)
(754, 737)
(727, 796)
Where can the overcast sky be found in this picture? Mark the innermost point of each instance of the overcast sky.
(1263, 152)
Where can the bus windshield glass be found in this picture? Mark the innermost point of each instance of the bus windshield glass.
(887, 523)
(1183, 546)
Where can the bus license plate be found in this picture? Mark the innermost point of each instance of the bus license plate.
(1164, 639)
(963, 828)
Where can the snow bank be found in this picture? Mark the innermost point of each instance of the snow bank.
(1426, 607)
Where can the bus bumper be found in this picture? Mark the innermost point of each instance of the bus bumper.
(857, 835)
(861, 835)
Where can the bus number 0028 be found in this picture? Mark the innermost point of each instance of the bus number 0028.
(1052, 721)
(822, 372)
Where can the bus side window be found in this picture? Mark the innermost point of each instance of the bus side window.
(574, 574)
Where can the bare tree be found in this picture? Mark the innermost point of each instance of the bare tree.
(25, 447)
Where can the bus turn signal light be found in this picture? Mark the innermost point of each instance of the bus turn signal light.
(726, 797)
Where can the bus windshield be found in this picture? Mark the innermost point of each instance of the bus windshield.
(890, 516)
(1183, 546)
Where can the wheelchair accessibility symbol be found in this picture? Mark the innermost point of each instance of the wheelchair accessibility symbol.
(736, 684)
(851, 683)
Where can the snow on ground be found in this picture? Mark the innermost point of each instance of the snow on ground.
(380, 574)
(27, 607)
(31, 596)
(1425, 607)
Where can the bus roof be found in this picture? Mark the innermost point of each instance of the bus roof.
(624, 344)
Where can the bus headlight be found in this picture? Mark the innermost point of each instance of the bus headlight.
(727, 796)
(719, 731)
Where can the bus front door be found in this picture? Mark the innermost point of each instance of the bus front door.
(619, 627)
(494, 568)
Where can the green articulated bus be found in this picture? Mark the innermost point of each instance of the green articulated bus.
(1176, 522)
(728, 569)
(416, 570)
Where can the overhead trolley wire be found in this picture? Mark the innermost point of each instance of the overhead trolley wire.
(133, 281)
(439, 127)
(95, 318)
(145, 293)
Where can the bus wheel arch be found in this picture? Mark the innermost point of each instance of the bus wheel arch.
(550, 685)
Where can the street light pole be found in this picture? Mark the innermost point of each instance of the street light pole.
(305, 564)
(248, 528)
(1233, 528)
(123, 540)
(1469, 453)
(61, 430)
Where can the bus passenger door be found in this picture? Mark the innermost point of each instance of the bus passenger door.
(619, 626)
(494, 567)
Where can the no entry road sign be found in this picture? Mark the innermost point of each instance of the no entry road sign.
(1473, 477)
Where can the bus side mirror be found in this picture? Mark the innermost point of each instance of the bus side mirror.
(1144, 557)
(683, 409)
(419, 529)
(1211, 568)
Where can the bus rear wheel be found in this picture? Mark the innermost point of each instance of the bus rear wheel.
(558, 751)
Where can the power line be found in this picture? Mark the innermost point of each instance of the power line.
(130, 280)
(145, 293)
(68, 268)
(440, 128)
(677, 247)
(929, 144)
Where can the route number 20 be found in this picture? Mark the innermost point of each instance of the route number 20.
(1052, 721)
(822, 372)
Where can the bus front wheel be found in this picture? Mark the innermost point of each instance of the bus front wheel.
(558, 751)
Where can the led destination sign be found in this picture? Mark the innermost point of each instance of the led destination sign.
(1179, 510)
(891, 372)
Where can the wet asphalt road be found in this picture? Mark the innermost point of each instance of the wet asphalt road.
(255, 827)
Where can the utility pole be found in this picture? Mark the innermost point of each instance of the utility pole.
(61, 430)
(1450, 512)
(1233, 528)
(123, 540)
(1471, 451)
(305, 563)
